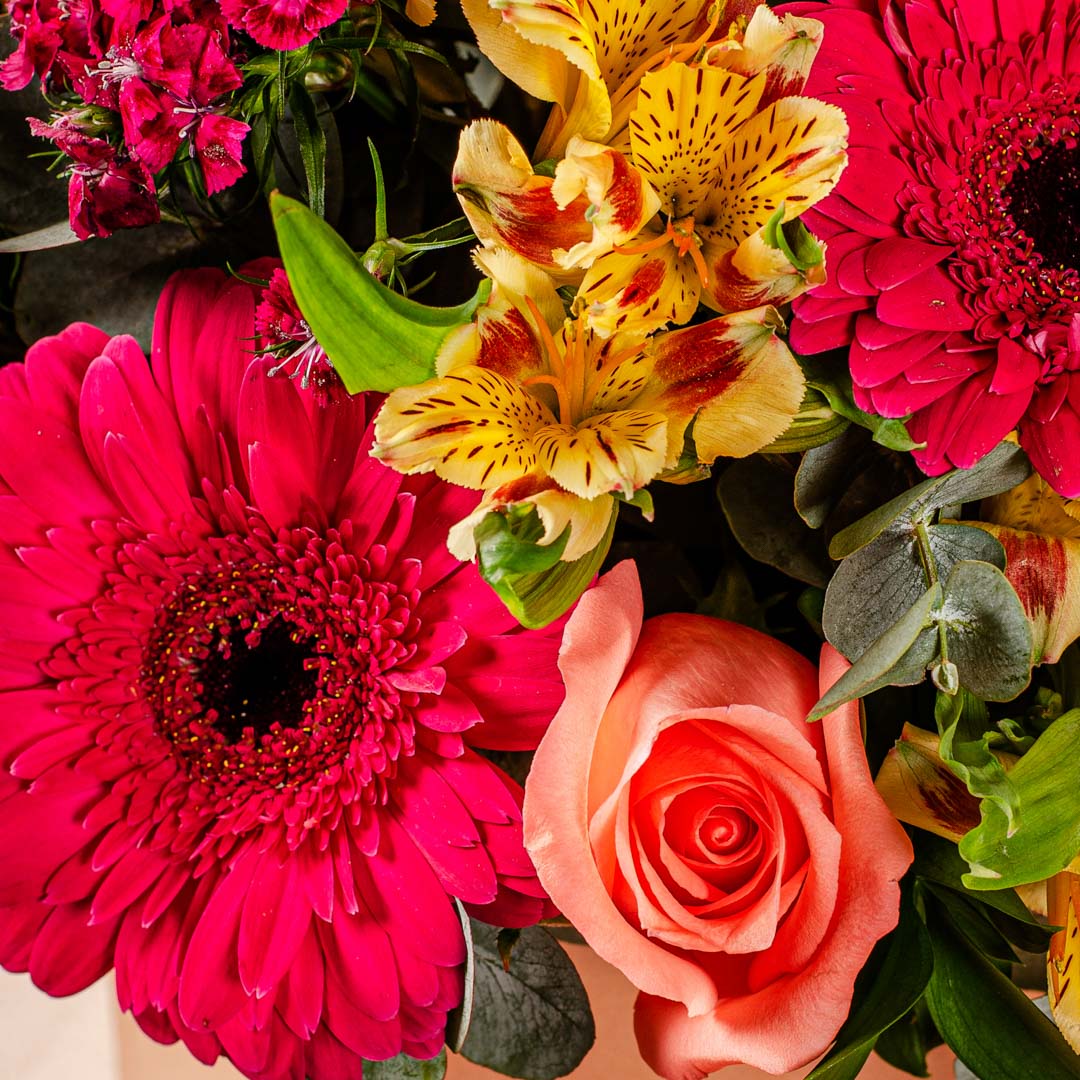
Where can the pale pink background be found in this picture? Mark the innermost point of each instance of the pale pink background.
(85, 1038)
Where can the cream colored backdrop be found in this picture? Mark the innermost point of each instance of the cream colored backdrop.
(85, 1038)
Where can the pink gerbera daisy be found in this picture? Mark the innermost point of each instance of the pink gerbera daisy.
(242, 684)
(954, 235)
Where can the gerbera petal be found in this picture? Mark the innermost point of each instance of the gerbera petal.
(472, 427)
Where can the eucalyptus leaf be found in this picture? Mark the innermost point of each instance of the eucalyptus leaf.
(1003, 468)
(1047, 838)
(989, 636)
(457, 1023)
(873, 587)
(51, 236)
(375, 338)
(533, 1021)
(899, 657)
(990, 1024)
(888, 987)
(404, 1067)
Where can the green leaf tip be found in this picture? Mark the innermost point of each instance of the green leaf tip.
(375, 338)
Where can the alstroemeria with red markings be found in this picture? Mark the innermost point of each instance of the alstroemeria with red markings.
(725, 163)
(532, 399)
(595, 201)
(588, 58)
(1040, 532)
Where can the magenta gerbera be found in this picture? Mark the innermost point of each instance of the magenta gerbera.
(242, 689)
(953, 235)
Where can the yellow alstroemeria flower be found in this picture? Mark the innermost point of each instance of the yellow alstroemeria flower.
(531, 407)
(587, 56)
(721, 137)
(595, 201)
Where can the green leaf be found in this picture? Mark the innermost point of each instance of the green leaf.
(939, 860)
(1047, 835)
(507, 545)
(375, 338)
(898, 658)
(312, 142)
(457, 1023)
(834, 382)
(538, 595)
(990, 1024)
(892, 982)
(533, 1021)
(404, 1067)
(757, 496)
(890, 570)
(1003, 468)
(989, 636)
(905, 1045)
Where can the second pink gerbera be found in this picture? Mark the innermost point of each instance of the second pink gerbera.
(242, 685)
(954, 235)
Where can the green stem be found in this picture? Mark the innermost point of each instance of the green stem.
(929, 565)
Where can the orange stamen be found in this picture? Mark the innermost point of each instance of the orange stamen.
(555, 358)
(560, 391)
(648, 245)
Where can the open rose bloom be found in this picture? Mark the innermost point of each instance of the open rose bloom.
(734, 861)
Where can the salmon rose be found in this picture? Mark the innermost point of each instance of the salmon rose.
(734, 861)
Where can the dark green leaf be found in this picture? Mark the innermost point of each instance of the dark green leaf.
(375, 338)
(888, 987)
(507, 545)
(1046, 836)
(898, 658)
(906, 1044)
(989, 636)
(759, 504)
(989, 1023)
(533, 1021)
(312, 143)
(404, 1067)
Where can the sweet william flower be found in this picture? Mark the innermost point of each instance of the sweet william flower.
(954, 231)
(283, 24)
(242, 684)
(734, 861)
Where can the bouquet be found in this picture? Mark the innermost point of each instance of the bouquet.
(683, 563)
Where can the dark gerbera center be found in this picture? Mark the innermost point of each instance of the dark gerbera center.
(257, 678)
(1044, 201)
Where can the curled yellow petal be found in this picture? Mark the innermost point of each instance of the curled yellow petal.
(1063, 956)
(753, 274)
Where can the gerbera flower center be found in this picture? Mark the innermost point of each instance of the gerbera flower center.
(258, 678)
(1044, 201)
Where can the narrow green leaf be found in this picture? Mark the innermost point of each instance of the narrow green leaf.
(375, 338)
(404, 1067)
(539, 597)
(898, 658)
(533, 1021)
(311, 140)
(1047, 837)
(888, 987)
(989, 1023)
